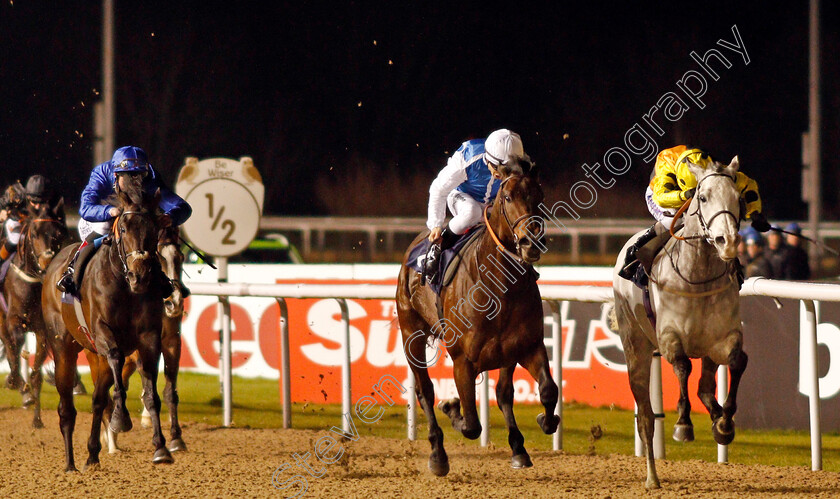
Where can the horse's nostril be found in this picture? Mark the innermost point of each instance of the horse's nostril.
(720, 240)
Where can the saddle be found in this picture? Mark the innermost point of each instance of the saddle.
(450, 258)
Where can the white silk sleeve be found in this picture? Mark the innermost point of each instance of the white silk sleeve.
(452, 175)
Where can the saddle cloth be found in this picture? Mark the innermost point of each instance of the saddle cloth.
(449, 259)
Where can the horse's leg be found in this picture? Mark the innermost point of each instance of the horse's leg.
(171, 346)
(723, 428)
(639, 353)
(504, 397)
(537, 366)
(147, 362)
(36, 379)
(683, 429)
(65, 377)
(425, 391)
(14, 381)
(120, 419)
(468, 423)
(101, 396)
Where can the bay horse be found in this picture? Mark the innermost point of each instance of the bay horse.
(43, 234)
(694, 292)
(172, 262)
(122, 303)
(492, 318)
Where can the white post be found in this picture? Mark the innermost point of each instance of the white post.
(411, 405)
(810, 373)
(285, 368)
(722, 392)
(484, 414)
(346, 402)
(656, 405)
(225, 348)
(557, 359)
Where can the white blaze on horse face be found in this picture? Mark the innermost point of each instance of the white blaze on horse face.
(720, 207)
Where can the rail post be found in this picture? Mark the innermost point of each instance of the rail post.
(285, 368)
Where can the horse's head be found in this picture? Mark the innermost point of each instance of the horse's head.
(716, 204)
(136, 237)
(172, 262)
(516, 217)
(46, 233)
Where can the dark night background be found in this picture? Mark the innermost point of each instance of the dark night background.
(307, 90)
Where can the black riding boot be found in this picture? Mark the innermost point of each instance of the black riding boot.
(630, 262)
(71, 280)
(432, 262)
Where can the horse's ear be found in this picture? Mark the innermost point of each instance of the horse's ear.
(534, 172)
(734, 164)
(157, 197)
(698, 171)
(58, 206)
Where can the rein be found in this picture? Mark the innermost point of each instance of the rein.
(704, 224)
(136, 254)
(511, 226)
(36, 274)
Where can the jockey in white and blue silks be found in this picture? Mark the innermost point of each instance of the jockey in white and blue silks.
(467, 184)
(97, 215)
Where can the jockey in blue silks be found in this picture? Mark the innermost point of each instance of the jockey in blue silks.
(468, 183)
(97, 215)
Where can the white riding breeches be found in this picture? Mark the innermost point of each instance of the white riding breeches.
(13, 231)
(85, 228)
(662, 215)
(466, 211)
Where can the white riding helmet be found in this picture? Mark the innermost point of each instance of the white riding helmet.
(502, 146)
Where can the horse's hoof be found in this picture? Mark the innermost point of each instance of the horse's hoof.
(120, 423)
(37, 424)
(439, 468)
(71, 469)
(450, 407)
(28, 400)
(684, 432)
(92, 467)
(723, 431)
(162, 456)
(79, 389)
(177, 445)
(14, 382)
(652, 484)
(551, 426)
(521, 461)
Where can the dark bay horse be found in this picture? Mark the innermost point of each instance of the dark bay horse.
(172, 262)
(43, 234)
(695, 295)
(492, 319)
(122, 306)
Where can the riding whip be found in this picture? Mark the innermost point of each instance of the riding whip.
(198, 253)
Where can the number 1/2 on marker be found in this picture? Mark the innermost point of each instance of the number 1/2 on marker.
(218, 217)
(227, 224)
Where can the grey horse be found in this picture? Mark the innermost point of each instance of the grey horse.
(694, 293)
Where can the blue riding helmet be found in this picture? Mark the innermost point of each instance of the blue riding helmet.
(794, 227)
(130, 159)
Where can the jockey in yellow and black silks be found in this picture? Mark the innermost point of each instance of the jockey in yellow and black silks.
(672, 184)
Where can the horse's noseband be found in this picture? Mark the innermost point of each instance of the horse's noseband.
(699, 211)
(133, 256)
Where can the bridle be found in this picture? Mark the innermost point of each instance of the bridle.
(511, 226)
(37, 273)
(126, 258)
(704, 224)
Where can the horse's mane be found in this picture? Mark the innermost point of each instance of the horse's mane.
(136, 193)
